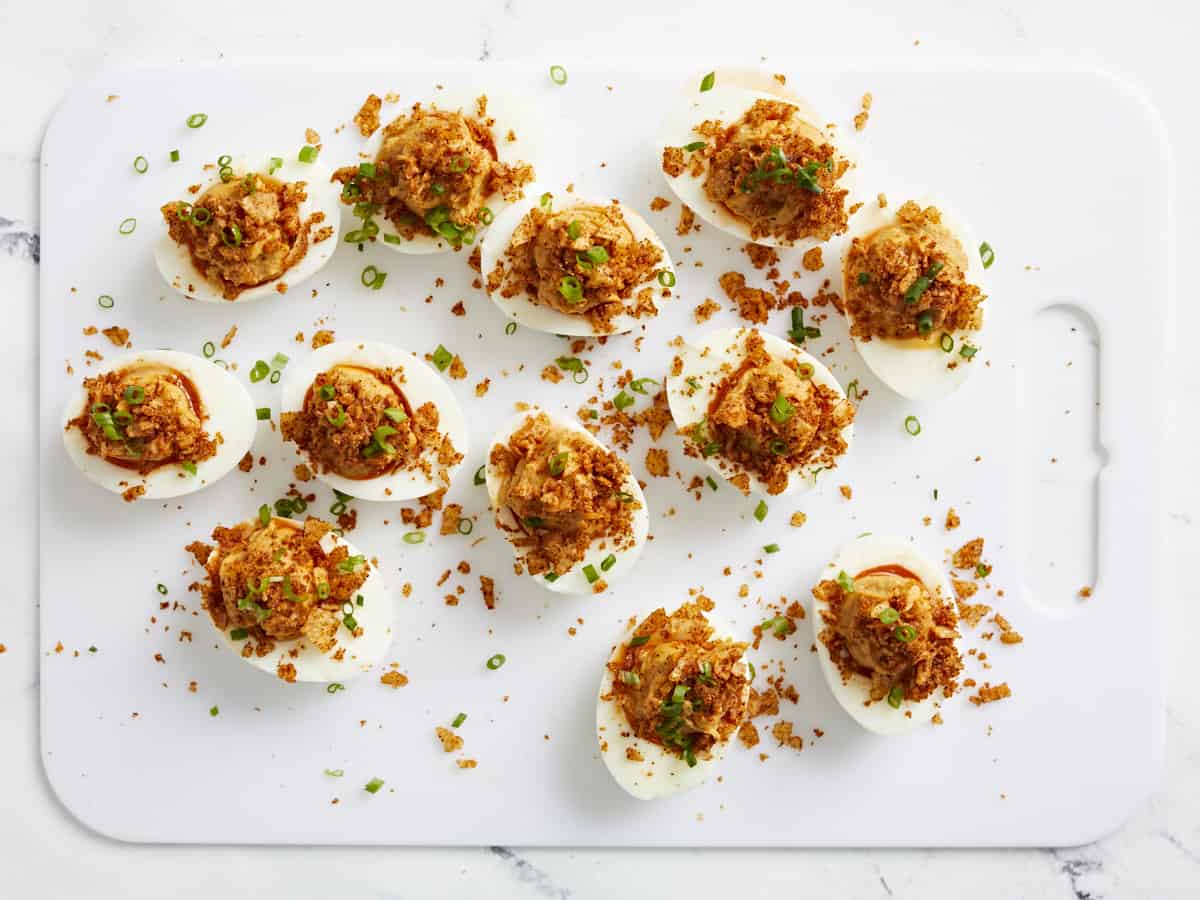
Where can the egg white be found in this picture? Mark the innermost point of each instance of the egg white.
(421, 385)
(376, 617)
(732, 95)
(509, 112)
(857, 556)
(229, 413)
(525, 309)
(660, 773)
(574, 581)
(917, 370)
(707, 361)
(174, 261)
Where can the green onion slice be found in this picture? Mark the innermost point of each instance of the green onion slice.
(263, 413)
(666, 278)
(479, 475)
(946, 342)
(707, 82)
(987, 255)
(442, 358)
(608, 562)
(495, 662)
(458, 720)
(414, 537)
(845, 582)
(912, 425)
(781, 410)
(771, 548)
(639, 640)
(922, 283)
(141, 165)
(590, 573)
(694, 146)
(895, 697)
(264, 514)
(760, 511)
(558, 463)
(196, 120)
(966, 351)
(174, 156)
(558, 75)
(888, 616)
(373, 786)
(308, 153)
(105, 301)
(623, 401)
(571, 289)
(127, 226)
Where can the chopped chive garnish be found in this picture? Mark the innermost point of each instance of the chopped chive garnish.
(465, 526)
(335, 773)
(174, 156)
(845, 582)
(209, 349)
(574, 229)
(608, 562)
(852, 390)
(414, 537)
(925, 322)
(510, 328)
(442, 358)
(188, 466)
(558, 75)
(888, 616)
(694, 146)
(912, 425)
(263, 413)
(327, 392)
(558, 463)
(373, 786)
(546, 202)
(105, 301)
(639, 640)
(771, 548)
(141, 165)
(666, 278)
(495, 662)
(895, 697)
(396, 414)
(259, 371)
(905, 634)
(371, 277)
(712, 482)
(987, 255)
(946, 342)
(486, 216)
(195, 120)
(623, 401)
(571, 289)
(458, 720)
(707, 82)
(781, 410)
(127, 226)
(275, 165)
(864, 278)
(590, 573)
(760, 511)
(264, 514)
(639, 386)
(575, 366)
(214, 711)
(551, 577)
(633, 679)
(232, 235)
(238, 634)
(279, 361)
(162, 589)
(480, 478)
(922, 283)
(982, 571)
(966, 351)
(134, 394)
(308, 153)
(334, 687)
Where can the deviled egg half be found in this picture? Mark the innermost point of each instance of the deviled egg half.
(568, 265)
(374, 421)
(886, 634)
(439, 174)
(753, 160)
(764, 414)
(673, 694)
(260, 226)
(912, 282)
(571, 508)
(158, 423)
(294, 599)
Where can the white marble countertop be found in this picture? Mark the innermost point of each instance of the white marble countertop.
(46, 46)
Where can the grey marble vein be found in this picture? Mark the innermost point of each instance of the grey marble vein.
(527, 873)
(1081, 871)
(18, 242)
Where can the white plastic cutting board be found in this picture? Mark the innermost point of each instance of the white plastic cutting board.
(1063, 173)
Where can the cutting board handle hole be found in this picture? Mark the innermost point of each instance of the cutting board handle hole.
(1065, 455)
